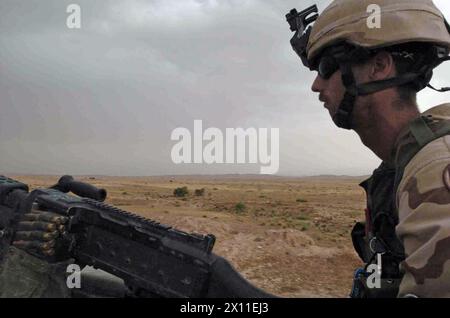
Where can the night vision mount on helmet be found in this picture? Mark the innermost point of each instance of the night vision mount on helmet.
(299, 21)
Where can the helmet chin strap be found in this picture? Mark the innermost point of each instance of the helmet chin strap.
(344, 115)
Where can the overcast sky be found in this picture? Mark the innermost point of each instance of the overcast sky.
(105, 98)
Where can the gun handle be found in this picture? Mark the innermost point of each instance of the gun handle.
(82, 189)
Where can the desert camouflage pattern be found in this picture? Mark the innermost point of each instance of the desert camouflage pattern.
(423, 201)
(346, 21)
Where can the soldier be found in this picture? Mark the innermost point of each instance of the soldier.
(368, 78)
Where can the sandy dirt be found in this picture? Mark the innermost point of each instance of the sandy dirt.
(288, 236)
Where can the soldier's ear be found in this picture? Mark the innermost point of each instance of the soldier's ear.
(382, 66)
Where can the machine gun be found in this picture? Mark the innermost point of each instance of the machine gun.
(154, 260)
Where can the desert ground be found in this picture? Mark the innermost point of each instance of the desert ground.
(288, 236)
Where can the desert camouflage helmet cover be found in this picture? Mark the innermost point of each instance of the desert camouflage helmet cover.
(402, 21)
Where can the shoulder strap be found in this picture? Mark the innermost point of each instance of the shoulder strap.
(422, 131)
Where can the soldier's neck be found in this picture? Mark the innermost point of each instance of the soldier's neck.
(381, 137)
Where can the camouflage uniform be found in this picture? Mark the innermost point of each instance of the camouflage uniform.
(423, 202)
(407, 198)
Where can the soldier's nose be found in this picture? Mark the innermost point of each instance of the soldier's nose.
(317, 85)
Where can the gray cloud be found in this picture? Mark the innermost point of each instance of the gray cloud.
(104, 99)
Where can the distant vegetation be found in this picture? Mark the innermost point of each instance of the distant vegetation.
(181, 192)
(240, 207)
(200, 192)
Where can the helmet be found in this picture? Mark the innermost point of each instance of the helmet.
(402, 21)
(343, 32)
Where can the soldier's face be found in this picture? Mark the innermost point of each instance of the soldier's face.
(331, 91)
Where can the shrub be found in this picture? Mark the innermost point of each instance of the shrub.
(199, 192)
(240, 207)
(181, 192)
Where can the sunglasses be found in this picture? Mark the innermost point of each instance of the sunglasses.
(328, 65)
